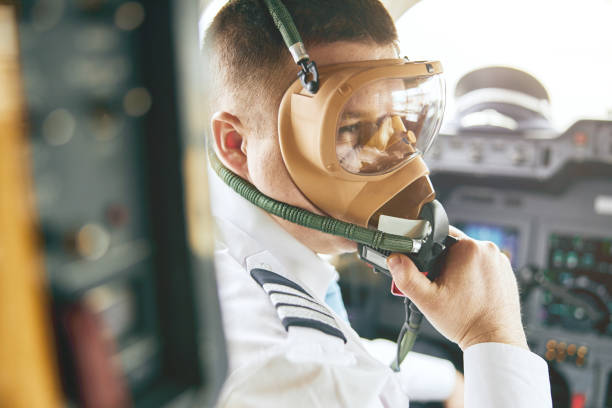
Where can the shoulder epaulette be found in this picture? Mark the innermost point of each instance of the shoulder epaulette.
(295, 307)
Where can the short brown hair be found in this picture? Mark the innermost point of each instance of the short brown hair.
(248, 59)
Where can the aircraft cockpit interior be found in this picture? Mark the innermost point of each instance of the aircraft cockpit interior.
(524, 159)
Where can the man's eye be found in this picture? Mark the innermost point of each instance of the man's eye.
(352, 128)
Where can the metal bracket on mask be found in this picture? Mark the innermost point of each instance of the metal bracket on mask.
(428, 258)
(309, 74)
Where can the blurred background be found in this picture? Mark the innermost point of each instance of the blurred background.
(107, 290)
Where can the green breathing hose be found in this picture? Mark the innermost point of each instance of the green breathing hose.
(372, 238)
(284, 22)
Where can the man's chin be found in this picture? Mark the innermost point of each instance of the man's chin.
(338, 246)
(317, 241)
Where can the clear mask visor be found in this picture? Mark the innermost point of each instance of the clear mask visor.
(388, 122)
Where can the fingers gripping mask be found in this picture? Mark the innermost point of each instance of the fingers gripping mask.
(354, 148)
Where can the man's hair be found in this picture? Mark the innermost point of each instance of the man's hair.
(250, 64)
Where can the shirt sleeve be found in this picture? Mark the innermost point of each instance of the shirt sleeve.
(504, 376)
(310, 376)
(425, 378)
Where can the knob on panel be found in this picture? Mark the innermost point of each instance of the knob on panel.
(90, 242)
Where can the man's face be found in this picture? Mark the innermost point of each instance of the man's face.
(267, 170)
(374, 132)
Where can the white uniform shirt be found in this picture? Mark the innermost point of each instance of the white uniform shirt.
(305, 367)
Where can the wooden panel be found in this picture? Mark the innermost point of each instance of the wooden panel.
(27, 375)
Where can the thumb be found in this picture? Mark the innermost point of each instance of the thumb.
(412, 282)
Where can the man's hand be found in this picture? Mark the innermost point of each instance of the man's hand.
(473, 300)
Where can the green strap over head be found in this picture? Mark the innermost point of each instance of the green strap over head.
(372, 238)
(284, 22)
(309, 74)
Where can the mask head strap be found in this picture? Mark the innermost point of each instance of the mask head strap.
(309, 74)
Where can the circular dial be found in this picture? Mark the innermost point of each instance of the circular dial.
(577, 303)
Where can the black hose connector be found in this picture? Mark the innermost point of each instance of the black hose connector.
(309, 75)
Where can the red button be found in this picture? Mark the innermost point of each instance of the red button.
(578, 401)
(395, 290)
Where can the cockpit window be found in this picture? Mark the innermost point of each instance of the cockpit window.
(566, 45)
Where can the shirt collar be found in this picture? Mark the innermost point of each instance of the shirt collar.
(245, 230)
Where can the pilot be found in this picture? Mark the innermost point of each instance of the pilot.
(287, 347)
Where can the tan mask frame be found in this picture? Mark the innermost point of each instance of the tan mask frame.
(307, 127)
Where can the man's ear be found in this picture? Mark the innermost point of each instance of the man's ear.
(230, 142)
